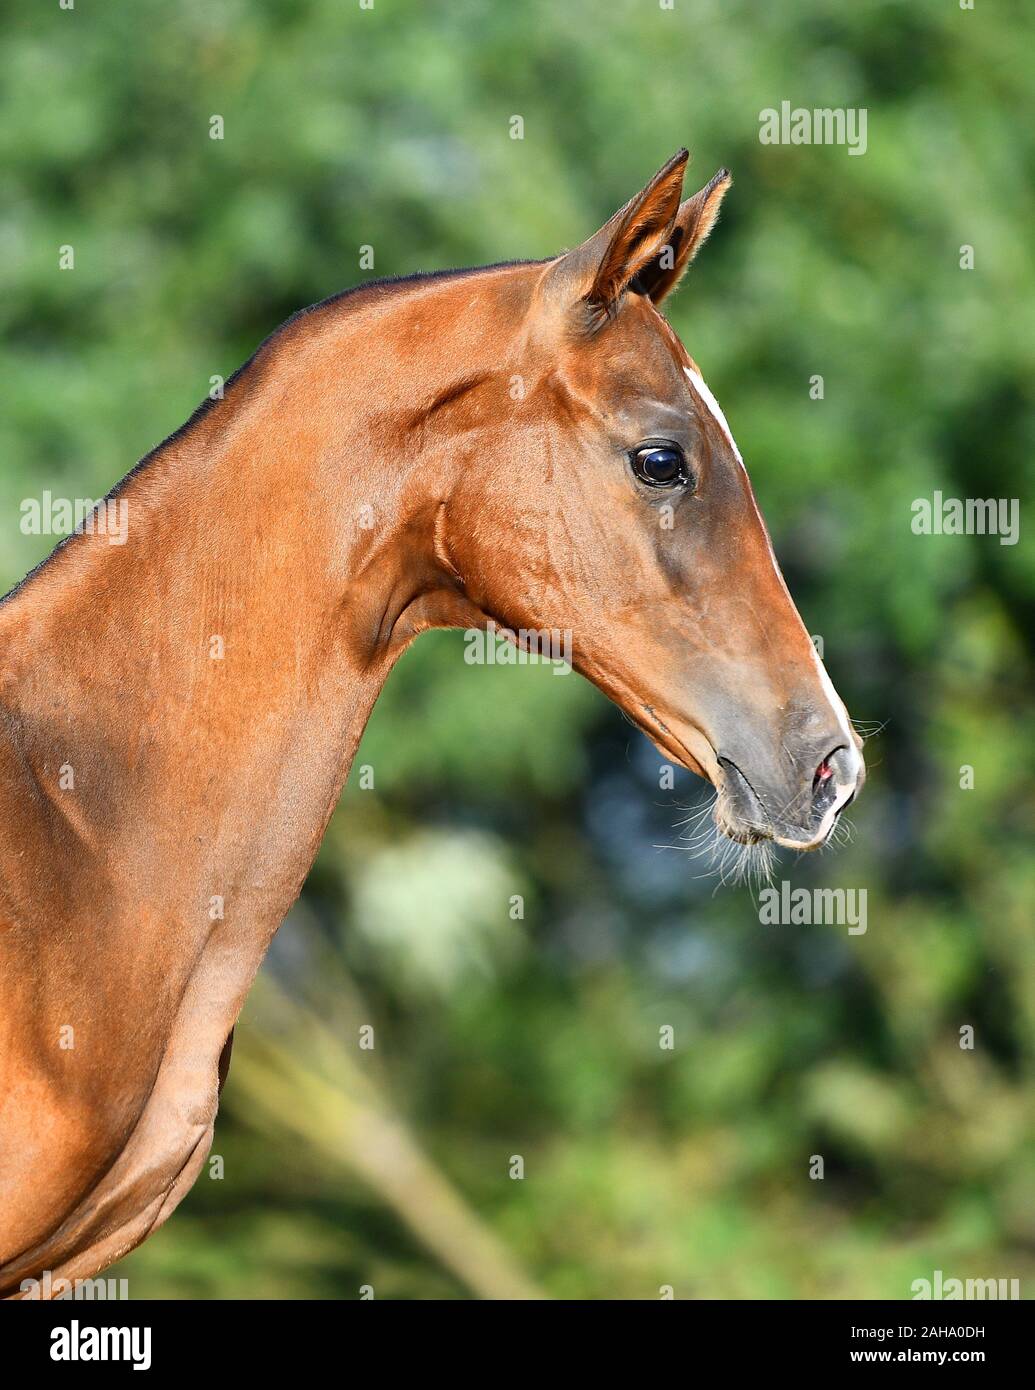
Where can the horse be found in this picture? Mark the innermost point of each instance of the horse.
(526, 445)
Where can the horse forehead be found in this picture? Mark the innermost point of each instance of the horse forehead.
(692, 372)
(647, 355)
(627, 364)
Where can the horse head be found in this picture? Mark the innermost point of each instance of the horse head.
(609, 501)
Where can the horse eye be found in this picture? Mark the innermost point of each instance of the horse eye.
(660, 465)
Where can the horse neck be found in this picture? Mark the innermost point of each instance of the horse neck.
(182, 710)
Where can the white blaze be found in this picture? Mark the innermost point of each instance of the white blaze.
(715, 409)
(836, 704)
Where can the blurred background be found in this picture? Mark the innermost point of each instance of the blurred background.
(538, 1037)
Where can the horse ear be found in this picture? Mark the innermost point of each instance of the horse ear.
(694, 221)
(599, 271)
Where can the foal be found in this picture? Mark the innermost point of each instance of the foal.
(528, 444)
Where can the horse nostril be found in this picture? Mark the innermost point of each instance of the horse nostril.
(835, 769)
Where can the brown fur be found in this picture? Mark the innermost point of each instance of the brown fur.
(196, 778)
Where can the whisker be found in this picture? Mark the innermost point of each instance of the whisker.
(733, 863)
(869, 728)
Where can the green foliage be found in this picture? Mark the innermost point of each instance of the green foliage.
(539, 1036)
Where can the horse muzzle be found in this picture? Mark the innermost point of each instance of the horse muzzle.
(797, 808)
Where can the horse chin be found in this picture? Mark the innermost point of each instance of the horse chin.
(730, 825)
(748, 833)
(743, 834)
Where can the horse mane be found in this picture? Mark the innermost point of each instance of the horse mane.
(354, 297)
